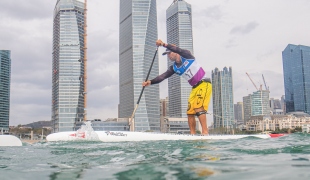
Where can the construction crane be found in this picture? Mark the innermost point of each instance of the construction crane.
(85, 60)
(252, 81)
(267, 88)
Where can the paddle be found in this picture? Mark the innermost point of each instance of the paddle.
(134, 111)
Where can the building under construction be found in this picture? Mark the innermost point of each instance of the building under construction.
(256, 103)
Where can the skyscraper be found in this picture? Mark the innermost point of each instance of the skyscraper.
(276, 106)
(179, 32)
(222, 95)
(256, 104)
(69, 63)
(296, 71)
(260, 103)
(283, 105)
(247, 107)
(5, 82)
(138, 34)
(238, 111)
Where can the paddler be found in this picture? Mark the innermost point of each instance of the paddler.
(185, 65)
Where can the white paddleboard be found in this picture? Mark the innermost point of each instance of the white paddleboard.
(121, 136)
(9, 140)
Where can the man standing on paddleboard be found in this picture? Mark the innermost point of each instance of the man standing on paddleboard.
(186, 66)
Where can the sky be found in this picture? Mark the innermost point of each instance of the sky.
(247, 35)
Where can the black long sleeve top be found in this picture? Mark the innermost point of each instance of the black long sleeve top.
(182, 52)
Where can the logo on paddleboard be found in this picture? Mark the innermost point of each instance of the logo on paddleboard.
(115, 133)
(78, 135)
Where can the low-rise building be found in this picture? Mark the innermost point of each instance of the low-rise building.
(306, 128)
(273, 122)
(111, 124)
(171, 125)
(180, 125)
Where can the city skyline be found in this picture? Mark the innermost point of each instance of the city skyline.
(225, 33)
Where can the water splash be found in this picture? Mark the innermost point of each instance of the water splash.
(87, 132)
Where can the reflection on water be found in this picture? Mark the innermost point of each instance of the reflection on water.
(249, 158)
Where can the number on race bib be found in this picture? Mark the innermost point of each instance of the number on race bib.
(189, 74)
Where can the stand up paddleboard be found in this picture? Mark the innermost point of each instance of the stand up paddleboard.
(9, 140)
(86, 132)
(122, 136)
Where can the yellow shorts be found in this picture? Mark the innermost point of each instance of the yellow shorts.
(199, 97)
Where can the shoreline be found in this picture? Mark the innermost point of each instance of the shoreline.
(32, 141)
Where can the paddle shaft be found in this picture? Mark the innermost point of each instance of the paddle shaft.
(148, 74)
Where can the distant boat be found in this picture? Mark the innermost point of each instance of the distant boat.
(272, 134)
(275, 135)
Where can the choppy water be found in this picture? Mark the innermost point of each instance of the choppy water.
(249, 158)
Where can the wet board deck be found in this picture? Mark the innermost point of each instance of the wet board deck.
(9, 140)
(121, 136)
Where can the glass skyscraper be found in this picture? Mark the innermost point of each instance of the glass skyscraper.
(5, 82)
(179, 32)
(222, 96)
(296, 71)
(260, 103)
(68, 65)
(137, 37)
(256, 104)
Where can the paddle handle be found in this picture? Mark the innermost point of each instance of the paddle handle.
(147, 77)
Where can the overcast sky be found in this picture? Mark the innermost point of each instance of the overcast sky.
(248, 35)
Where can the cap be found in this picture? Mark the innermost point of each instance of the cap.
(166, 52)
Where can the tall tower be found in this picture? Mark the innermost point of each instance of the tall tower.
(296, 63)
(69, 61)
(179, 32)
(138, 34)
(260, 103)
(5, 82)
(256, 104)
(276, 106)
(247, 107)
(223, 100)
(238, 111)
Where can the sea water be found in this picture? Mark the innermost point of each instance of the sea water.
(248, 158)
